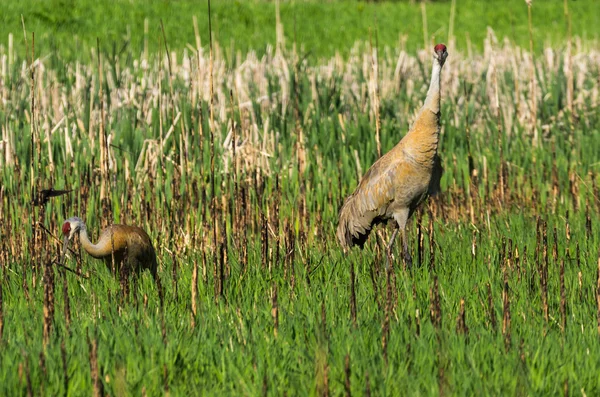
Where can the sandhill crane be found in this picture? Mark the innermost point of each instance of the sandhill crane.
(131, 245)
(401, 179)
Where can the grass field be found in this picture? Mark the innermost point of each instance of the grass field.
(70, 28)
(240, 194)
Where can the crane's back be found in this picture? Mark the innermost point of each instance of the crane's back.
(132, 247)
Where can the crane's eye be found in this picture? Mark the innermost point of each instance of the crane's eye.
(66, 229)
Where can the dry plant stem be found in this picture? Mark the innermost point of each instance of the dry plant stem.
(598, 295)
(533, 116)
(569, 66)
(352, 294)
(104, 187)
(375, 84)
(1, 312)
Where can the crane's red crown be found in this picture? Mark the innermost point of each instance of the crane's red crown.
(440, 48)
(66, 228)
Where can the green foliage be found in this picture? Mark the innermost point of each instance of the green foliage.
(71, 27)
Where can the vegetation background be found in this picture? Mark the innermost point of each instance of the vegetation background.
(70, 27)
(236, 159)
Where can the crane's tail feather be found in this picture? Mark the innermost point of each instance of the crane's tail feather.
(354, 225)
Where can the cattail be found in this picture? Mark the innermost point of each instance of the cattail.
(265, 385)
(63, 355)
(417, 323)
(598, 294)
(1, 312)
(352, 294)
(544, 272)
(275, 310)
(48, 301)
(67, 304)
(435, 309)
(43, 370)
(347, 373)
(194, 297)
(563, 298)
(533, 116)
(506, 314)
(431, 245)
(166, 380)
(420, 238)
(461, 321)
(96, 381)
(492, 311)
(27, 375)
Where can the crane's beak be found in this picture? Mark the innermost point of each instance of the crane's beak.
(64, 250)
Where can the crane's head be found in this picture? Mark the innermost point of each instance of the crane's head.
(440, 53)
(71, 226)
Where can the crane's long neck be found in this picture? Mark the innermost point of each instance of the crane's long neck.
(432, 102)
(98, 250)
(421, 142)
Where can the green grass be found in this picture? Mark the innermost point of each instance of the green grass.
(70, 28)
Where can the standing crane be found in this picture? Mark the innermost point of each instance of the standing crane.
(130, 246)
(401, 179)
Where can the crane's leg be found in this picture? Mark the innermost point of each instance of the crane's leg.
(407, 256)
(388, 250)
(401, 217)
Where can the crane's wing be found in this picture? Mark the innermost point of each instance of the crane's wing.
(368, 205)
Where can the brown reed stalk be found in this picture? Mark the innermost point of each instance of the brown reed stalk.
(265, 385)
(324, 321)
(212, 144)
(43, 370)
(194, 297)
(27, 375)
(352, 295)
(48, 302)
(420, 238)
(431, 244)
(417, 323)
(555, 246)
(598, 294)
(166, 380)
(555, 184)
(265, 241)
(506, 313)
(501, 172)
(569, 66)
(347, 374)
(544, 272)
(375, 78)
(104, 172)
(491, 310)
(563, 298)
(67, 304)
(435, 309)
(223, 259)
(461, 321)
(175, 277)
(367, 385)
(1, 312)
(65, 367)
(275, 310)
(532, 90)
(97, 386)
